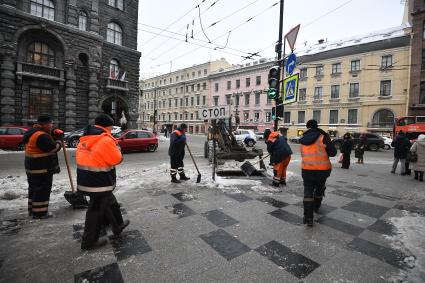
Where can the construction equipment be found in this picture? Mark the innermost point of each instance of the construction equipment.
(198, 179)
(248, 168)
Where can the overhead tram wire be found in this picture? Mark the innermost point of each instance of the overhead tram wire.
(222, 35)
(211, 25)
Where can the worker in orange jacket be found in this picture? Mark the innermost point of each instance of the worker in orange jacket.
(97, 155)
(280, 156)
(316, 148)
(41, 162)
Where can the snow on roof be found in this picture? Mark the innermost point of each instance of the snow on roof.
(355, 40)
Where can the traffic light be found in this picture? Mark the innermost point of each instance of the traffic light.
(277, 115)
(274, 75)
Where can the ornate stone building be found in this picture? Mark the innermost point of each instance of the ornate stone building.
(73, 59)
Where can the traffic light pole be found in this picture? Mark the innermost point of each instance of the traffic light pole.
(281, 62)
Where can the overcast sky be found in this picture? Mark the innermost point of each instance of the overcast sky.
(327, 19)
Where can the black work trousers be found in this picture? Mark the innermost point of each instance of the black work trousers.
(39, 188)
(102, 207)
(177, 166)
(314, 191)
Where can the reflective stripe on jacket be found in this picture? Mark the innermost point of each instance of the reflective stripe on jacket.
(314, 156)
(96, 158)
(38, 161)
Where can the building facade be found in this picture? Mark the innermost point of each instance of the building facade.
(175, 98)
(72, 59)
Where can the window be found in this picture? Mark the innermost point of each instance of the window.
(205, 72)
(333, 117)
(193, 74)
(198, 87)
(119, 4)
(191, 116)
(181, 102)
(268, 116)
(423, 60)
(171, 80)
(355, 66)
(302, 94)
(114, 33)
(177, 78)
(144, 135)
(40, 54)
(335, 91)
(182, 77)
(387, 61)
(40, 101)
(204, 100)
(114, 69)
(199, 73)
(383, 119)
(385, 88)
(14, 131)
(256, 117)
(246, 117)
(229, 84)
(336, 68)
(228, 99)
(198, 100)
(204, 86)
(131, 135)
(216, 87)
(352, 116)
(258, 80)
(169, 103)
(354, 90)
(215, 100)
(238, 83)
(181, 89)
(303, 73)
(176, 103)
(257, 99)
(247, 99)
(43, 8)
(237, 99)
(269, 100)
(316, 115)
(82, 21)
(318, 93)
(186, 101)
(287, 117)
(248, 82)
(192, 88)
(301, 117)
(192, 101)
(320, 70)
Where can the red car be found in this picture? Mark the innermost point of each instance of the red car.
(134, 140)
(11, 137)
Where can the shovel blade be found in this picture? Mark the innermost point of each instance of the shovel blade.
(198, 180)
(248, 168)
(75, 199)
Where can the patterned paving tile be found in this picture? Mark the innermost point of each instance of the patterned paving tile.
(219, 218)
(182, 210)
(225, 244)
(106, 274)
(292, 262)
(182, 196)
(239, 197)
(323, 210)
(287, 216)
(334, 186)
(383, 227)
(388, 255)
(366, 208)
(273, 202)
(346, 194)
(392, 198)
(340, 226)
(128, 244)
(363, 189)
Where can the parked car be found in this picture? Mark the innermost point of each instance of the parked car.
(137, 140)
(72, 139)
(247, 136)
(387, 142)
(374, 142)
(11, 137)
(259, 135)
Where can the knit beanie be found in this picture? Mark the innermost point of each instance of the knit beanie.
(104, 120)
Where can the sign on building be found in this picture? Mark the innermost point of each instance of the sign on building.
(290, 89)
(215, 112)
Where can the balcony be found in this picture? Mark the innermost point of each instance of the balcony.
(39, 71)
(117, 85)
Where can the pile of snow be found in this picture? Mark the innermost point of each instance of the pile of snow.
(411, 240)
(163, 139)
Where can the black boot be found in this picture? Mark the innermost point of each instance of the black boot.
(308, 213)
(283, 182)
(416, 175)
(183, 177)
(275, 184)
(89, 246)
(421, 176)
(174, 180)
(317, 204)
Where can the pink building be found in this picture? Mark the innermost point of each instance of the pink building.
(244, 88)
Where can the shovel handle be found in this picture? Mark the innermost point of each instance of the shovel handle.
(65, 154)
(193, 159)
(258, 161)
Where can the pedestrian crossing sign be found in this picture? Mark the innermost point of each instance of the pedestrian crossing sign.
(290, 89)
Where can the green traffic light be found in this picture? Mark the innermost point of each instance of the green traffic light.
(271, 93)
(274, 118)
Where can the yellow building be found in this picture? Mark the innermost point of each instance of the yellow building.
(353, 85)
(173, 98)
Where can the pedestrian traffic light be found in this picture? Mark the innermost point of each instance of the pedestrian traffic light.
(274, 75)
(277, 114)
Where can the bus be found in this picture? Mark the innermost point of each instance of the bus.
(413, 126)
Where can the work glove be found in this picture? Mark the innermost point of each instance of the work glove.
(58, 134)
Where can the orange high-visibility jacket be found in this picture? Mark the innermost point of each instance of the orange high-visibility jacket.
(96, 156)
(314, 156)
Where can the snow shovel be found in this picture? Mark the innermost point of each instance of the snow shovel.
(198, 179)
(76, 199)
(249, 168)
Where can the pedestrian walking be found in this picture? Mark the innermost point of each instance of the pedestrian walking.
(360, 149)
(316, 148)
(346, 148)
(401, 146)
(97, 155)
(176, 152)
(418, 153)
(280, 156)
(41, 162)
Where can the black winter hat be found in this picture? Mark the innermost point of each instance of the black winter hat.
(183, 126)
(44, 119)
(312, 124)
(104, 120)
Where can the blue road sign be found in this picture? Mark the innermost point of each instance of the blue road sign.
(291, 63)
(290, 89)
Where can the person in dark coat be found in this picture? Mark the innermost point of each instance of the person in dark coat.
(280, 156)
(401, 146)
(176, 152)
(316, 148)
(360, 149)
(346, 148)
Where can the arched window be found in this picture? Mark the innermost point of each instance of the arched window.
(82, 20)
(41, 54)
(383, 119)
(114, 69)
(114, 33)
(43, 8)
